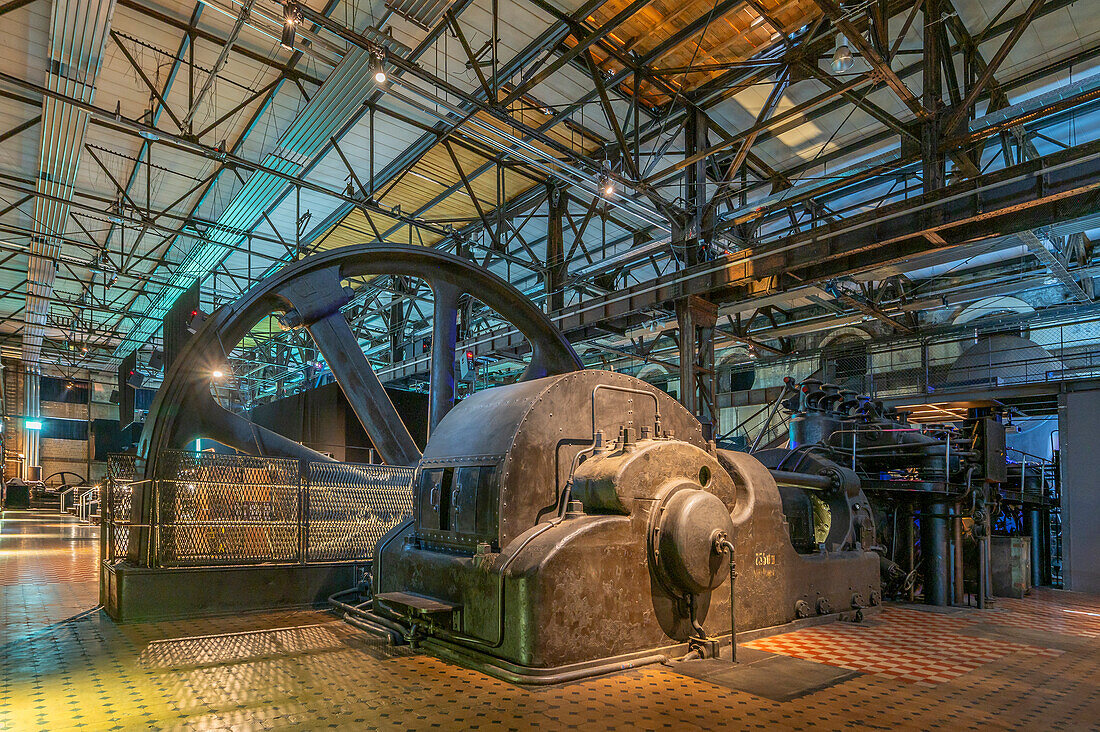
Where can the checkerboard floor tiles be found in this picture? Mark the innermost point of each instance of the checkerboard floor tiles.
(64, 665)
(1067, 614)
(902, 643)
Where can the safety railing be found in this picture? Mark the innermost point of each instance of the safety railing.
(87, 504)
(212, 510)
(903, 366)
(66, 499)
(1030, 476)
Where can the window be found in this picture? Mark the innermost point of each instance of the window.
(64, 429)
(846, 362)
(67, 391)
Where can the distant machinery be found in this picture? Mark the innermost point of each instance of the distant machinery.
(950, 480)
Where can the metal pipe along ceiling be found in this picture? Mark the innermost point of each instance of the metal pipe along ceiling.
(78, 30)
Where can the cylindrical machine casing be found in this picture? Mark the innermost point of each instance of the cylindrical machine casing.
(934, 558)
(683, 540)
(814, 427)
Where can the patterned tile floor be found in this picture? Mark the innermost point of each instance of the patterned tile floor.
(902, 643)
(64, 665)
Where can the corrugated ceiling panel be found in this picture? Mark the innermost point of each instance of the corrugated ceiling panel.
(334, 103)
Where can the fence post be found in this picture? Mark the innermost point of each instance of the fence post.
(104, 518)
(924, 361)
(154, 519)
(303, 511)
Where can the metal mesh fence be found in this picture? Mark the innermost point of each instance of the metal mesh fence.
(121, 467)
(216, 509)
(846, 365)
(350, 507)
(117, 508)
(226, 509)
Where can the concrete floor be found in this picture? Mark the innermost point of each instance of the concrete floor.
(64, 665)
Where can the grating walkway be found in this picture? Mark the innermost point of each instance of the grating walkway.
(63, 665)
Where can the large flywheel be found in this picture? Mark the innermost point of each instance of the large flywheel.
(310, 294)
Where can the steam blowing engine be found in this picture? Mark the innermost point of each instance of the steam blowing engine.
(577, 521)
(567, 524)
(580, 523)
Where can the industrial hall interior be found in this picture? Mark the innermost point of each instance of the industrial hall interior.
(549, 364)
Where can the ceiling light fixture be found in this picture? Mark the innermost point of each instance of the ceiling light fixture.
(842, 56)
(377, 69)
(292, 16)
(217, 374)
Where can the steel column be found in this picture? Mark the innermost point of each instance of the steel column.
(911, 546)
(698, 218)
(441, 396)
(1035, 529)
(933, 161)
(960, 594)
(555, 248)
(697, 318)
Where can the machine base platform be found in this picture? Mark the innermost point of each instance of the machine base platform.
(547, 676)
(138, 594)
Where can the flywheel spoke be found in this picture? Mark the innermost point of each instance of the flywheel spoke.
(444, 338)
(365, 394)
(230, 428)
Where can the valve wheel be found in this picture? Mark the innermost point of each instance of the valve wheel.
(310, 295)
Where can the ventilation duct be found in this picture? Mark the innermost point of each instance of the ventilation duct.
(78, 30)
(31, 412)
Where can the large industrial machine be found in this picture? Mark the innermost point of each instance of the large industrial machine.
(571, 523)
(934, 488)
(579, 523)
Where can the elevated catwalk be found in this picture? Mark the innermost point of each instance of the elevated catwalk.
(63, 665)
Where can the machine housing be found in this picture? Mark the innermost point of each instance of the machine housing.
(567, 525)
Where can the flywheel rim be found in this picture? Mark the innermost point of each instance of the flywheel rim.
(310, 290)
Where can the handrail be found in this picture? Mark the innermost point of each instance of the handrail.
(61, 497)
(1038, 458)
(85, 502)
